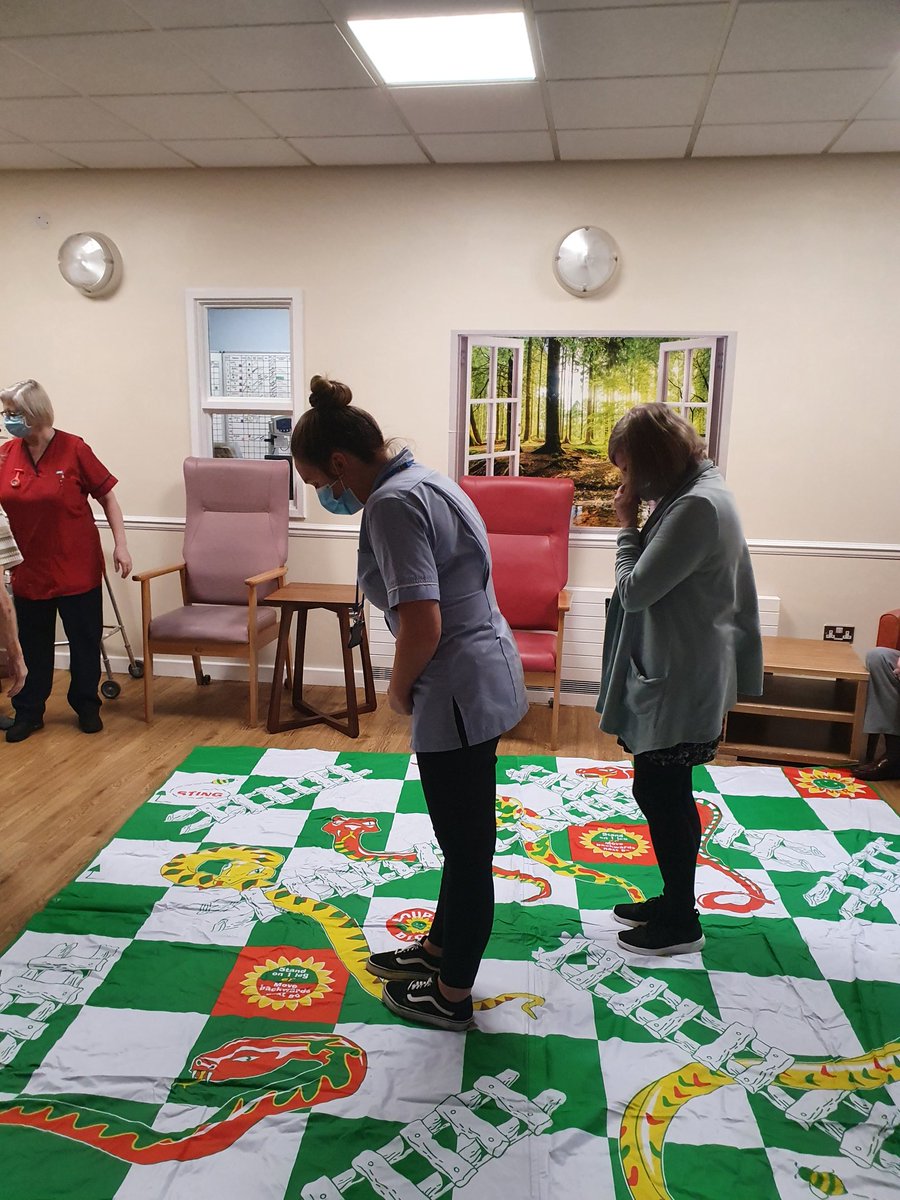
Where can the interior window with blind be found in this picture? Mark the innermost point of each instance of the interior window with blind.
(246, 368)
(545, 405)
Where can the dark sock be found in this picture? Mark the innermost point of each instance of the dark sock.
(892, 747)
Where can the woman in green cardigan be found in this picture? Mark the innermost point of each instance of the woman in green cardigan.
(682, 640)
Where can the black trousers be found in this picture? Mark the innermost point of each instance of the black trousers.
(665, 796)
(82, 618)
(460, 789)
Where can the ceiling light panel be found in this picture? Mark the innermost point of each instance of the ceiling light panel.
(486, 48)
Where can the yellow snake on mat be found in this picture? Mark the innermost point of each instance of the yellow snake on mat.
(243, 867)
(650, 1113)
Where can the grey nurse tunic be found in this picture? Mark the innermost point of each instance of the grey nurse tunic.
(422, 539)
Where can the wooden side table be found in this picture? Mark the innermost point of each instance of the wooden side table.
(811, 709)
(301, 598)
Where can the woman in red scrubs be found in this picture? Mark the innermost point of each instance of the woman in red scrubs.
(46, 477)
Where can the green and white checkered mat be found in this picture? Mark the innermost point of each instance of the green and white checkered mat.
(192, 1018)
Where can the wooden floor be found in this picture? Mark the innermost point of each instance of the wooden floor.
(64, 794)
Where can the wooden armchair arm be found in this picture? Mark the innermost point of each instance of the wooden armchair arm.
(145, 575)
(276, 573)
(565, 602)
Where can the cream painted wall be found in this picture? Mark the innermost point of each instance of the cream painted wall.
(799, 256)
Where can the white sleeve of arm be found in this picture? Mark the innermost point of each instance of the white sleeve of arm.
(687, 534)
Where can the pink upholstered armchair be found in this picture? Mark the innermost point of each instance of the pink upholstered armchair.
(528, 524)
(235, 551)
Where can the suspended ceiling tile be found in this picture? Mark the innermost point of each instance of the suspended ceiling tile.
(239, 152)
(473, 108)
(360, 151)
(197, 14)
(784, 96)
(124, 155)
(615, 42)
(26, 157)
(812, 34)
(24, 18)
(19, 78)
(612, 103)
(869, 136)
(70, 119)
(170, 117)
(885, 102)
(332, 113)
(118, 64)
(296, 57)
(488, 147)
(7, 136)
(796, 138)
(590, 144)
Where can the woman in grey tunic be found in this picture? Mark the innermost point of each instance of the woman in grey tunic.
(424, 560)
(682, 640)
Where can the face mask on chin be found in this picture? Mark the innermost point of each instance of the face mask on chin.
(345, 505)
(16, 426)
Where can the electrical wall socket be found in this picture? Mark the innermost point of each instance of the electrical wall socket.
(839, 633)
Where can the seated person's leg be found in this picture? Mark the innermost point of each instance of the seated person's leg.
(883, 713)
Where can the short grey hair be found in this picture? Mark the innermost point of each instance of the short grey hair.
(29, 399)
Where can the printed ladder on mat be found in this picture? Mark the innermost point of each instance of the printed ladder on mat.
(192, 1017)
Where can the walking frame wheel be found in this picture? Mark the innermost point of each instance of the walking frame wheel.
(136, 669)
(109, 689)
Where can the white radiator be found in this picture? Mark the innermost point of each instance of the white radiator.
(582, 647)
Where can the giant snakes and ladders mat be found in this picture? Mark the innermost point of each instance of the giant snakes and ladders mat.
(191, 1018)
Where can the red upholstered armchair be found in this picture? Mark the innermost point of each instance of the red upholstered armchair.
(528, 524)
(889, 630)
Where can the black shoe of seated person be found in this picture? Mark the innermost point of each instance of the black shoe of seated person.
(6, 723)
(661, 938)
(22, 728)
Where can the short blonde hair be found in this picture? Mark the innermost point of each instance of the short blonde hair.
(29, 399)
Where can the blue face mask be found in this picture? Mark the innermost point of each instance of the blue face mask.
(16, 426)
(344, 505)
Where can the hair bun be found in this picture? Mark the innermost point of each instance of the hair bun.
(328, 393)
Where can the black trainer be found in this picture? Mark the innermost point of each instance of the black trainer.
(412, 962)
(638, 914)
(660, 938)
(89, 722)
(421, 1000)
(22, 729)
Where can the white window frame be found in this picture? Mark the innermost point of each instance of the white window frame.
(491, 402)
(689, 347)
(203, 405)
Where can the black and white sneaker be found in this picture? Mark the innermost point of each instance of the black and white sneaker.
(639, 914)
(659, 938)
(421, 1000)
(412, 962)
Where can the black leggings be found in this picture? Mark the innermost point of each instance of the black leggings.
(665, 796)
(82, 618)
(460, 789)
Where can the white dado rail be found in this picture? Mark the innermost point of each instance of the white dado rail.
(582, 645)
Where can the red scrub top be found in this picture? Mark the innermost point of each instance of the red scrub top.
(50, 517)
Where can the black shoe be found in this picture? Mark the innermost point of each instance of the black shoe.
(412, 962)
(421, 1000)
(6, 722)
(636, 915)
(662, 939)
(89, 722)
(22, 729)
(879, 769)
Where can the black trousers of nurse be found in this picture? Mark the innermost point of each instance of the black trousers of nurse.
(460, 789)
(82, 618)
(665, 795)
